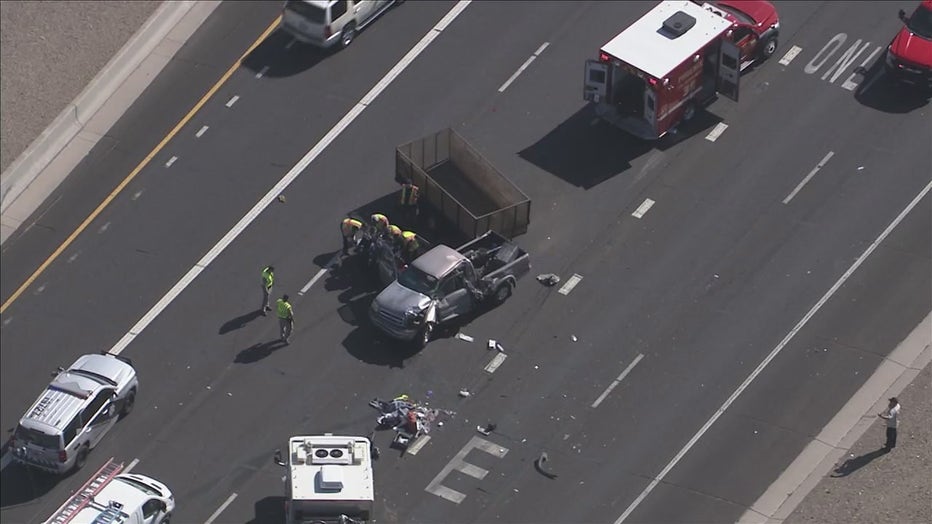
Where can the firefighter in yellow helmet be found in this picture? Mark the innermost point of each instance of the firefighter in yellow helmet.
(409, 246)
(379, 224)
(349, 227)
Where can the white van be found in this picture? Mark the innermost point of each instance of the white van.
(112, 498)
(329, 23)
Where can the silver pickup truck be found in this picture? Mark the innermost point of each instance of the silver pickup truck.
(447, 283)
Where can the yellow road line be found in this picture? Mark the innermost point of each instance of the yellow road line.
(145, 161)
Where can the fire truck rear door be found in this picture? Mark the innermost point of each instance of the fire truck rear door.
(729, 69)
(596, 81)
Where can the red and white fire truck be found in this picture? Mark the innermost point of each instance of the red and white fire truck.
(672, 61)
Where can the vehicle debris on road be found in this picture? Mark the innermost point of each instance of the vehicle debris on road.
(409, 419)
(548, 279)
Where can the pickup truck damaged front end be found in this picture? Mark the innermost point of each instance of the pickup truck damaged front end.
(401, 312)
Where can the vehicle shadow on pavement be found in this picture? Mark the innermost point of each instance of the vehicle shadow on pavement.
(586, 151)
(269, 510)
(371, 347)
(853, 464)
(259, 351)
(276, 61)
(240, 321)
(19, 485)
(880, 91)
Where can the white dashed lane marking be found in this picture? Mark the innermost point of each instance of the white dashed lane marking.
(570, 284)
(790, 55)
(643, 208)
(716, 132)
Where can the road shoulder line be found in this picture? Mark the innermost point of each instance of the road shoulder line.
(896, 371)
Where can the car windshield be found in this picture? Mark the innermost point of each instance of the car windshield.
(417, 280)
(93, 376)
(921, 22)
(309, 12)
(31, 436)
(145, 488)
(737, 13)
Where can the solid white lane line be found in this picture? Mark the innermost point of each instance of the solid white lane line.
(220, 509)
(262, 72)
(171, 161)
(643, 208)
(523, 67)
(790, 55)
(617, 380)
(716, 132)
(776, 351)
(495, 362)
(289, 177)
(132, 465)
(202, 131)
(808, 177)
(570, 284)
(312, 281)
(232, 100)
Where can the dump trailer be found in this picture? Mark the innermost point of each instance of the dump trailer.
(457, 183)
(445, 284)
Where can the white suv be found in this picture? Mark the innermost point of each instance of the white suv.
(329, 23)
(74, 412)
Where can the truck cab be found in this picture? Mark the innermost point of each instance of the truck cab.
(446, 283)
(755, 27)
(909, 55)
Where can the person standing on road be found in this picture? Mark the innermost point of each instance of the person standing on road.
(268, 279)
(408, 201)
(891, 414)
(285, 318)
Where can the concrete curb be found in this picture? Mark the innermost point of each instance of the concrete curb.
(851, 422)
(32, 177)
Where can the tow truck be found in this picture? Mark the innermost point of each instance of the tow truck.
(673, 61)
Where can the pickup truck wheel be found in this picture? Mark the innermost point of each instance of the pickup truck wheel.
(502, 293)
(166, 519)
(768, 47)
(424, 335)
(81, 459)
(348, 34)
(128, 403)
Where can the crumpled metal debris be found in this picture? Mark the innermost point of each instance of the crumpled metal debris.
(548, 279)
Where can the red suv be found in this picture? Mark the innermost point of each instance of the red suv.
(909, 55)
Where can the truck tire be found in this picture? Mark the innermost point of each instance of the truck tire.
(424, 335)
(768, 47)
(347, 35)
(81, 459)
(502, 293)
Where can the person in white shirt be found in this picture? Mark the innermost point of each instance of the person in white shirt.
(891, 414)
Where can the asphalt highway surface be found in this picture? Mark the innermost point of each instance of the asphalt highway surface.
(705, 344)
